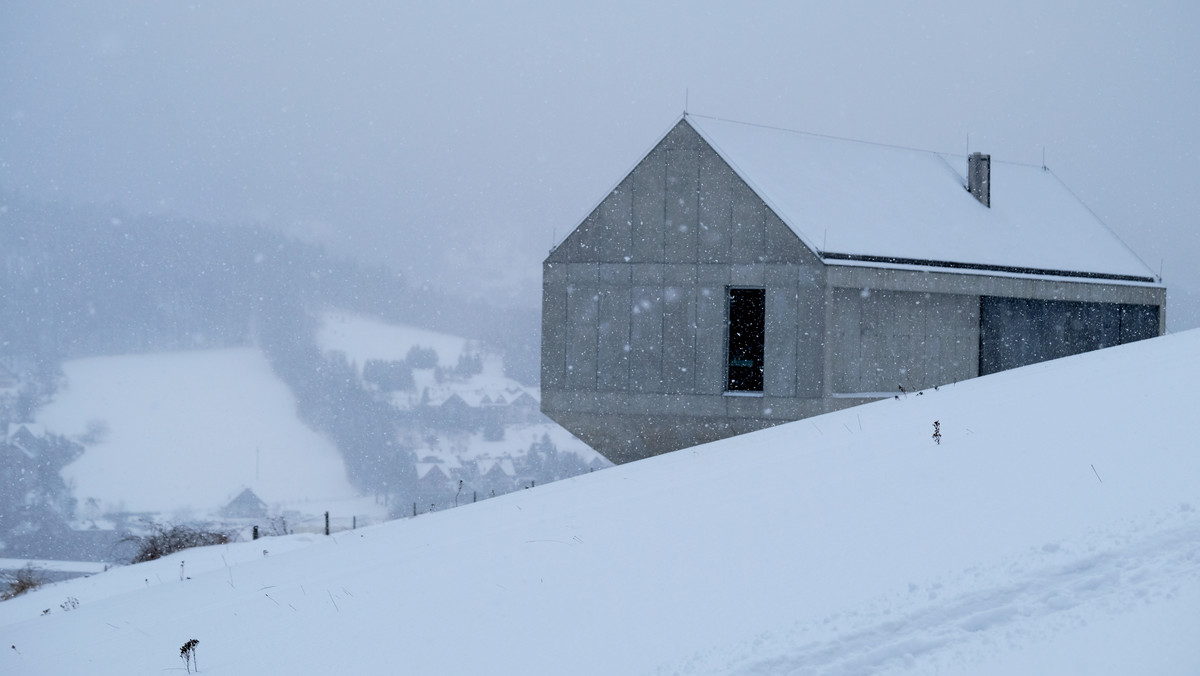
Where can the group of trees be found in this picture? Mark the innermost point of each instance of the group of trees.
(392, 375)
(35, 502)
(332, 399)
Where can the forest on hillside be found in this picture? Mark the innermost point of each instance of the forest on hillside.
(84, 280)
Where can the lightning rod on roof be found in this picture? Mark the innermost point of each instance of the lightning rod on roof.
(685, 101)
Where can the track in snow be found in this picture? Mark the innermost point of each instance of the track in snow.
(1025, 605)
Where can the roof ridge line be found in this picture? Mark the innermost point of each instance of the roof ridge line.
(894, 146)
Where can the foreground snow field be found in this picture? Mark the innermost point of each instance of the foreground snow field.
(1055, 529)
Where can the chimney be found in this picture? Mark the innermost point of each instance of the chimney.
(979, 177)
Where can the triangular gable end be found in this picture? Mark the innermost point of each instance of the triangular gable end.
(682, 203)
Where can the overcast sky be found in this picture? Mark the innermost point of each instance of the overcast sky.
(457, 141)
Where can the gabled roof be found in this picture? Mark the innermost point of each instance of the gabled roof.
(246, 504)
(31, 428)
(27, 437)
(853, 202)
(504, 466)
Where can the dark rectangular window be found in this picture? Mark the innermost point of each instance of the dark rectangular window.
(747, 320)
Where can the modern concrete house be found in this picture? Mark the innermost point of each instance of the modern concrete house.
(742, 276)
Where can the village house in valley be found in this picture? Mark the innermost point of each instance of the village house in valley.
(742, 276)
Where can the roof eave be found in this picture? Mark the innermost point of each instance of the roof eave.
(919, 265)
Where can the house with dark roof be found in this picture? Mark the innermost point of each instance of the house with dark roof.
(741, 276)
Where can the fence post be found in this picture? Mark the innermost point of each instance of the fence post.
(327, 523)
(354, 522)
(414, 509)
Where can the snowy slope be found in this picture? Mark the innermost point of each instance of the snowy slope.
(188, 431)
(1054, 530)
(362, 338)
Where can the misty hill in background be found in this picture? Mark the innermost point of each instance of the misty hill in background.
(84, 280)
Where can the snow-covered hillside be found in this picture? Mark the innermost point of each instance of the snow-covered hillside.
(182, 433)
(1053, 530)
(362, 338)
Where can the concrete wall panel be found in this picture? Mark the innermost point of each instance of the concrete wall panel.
(885, 340)
(613, 239)
(747, 275)
(618, 274)
(582, 305)
(747, 238)
(647, 274)
(612, 342)
(646, 340)
(810, 336)
(579, 245)
(680, 206)
(710, 339)
(649, 182)
(715, 208)
(779, 377)
(583, 274)
(554, 326)
(782, 245)
(679, 340)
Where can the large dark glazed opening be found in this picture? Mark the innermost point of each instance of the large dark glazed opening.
(747, 319)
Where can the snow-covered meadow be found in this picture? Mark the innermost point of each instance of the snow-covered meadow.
(1054, 529)
(182, 433)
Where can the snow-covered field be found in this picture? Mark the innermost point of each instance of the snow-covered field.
(362, 338)
(187, 431)
(1055, 529)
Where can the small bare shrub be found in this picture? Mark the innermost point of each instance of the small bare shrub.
(188, 654)
(26, 579)
(166, 539)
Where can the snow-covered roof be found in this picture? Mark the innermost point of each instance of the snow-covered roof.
(887, 206)
(433, 458)
(485, 465)
(33, 428)
(493, 394)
